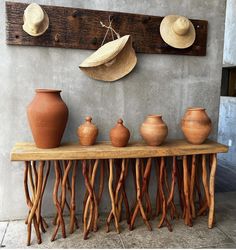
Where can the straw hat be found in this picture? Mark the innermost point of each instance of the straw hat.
(36, 20)
(177, 31)
(112, 61)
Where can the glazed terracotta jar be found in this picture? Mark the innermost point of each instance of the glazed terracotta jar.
(119, 135)
(87, 132)
(154, 130)
(47, 116)
(196, 125)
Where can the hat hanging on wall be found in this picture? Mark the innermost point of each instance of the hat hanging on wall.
(111, 61)
(177, 31)
(36, 20)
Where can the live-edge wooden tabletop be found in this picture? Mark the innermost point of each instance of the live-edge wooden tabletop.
(26, 151)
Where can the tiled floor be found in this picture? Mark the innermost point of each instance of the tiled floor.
(223, 235)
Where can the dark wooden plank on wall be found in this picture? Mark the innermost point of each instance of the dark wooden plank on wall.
(81, 29)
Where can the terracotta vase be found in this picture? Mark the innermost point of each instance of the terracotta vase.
(196, 125)
(47, 116)
(87, 132)
(119, 135)
(154, 130)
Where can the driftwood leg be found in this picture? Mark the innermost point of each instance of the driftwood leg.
(101, 182)
(91, 199)
(188, 219)
(28, 200)
(73, 219)
(119, 187)
(192, 185)
(35, 203)
(139, 206)
(212, 191)
(162, 194)
(171, 193)
(204, 179)
(60, 220)
(146, 193)
(41, 221)
(158, 198)
(125, 199)
(197, 181)
(113, 205)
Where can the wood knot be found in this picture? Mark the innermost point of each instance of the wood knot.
(56, 38)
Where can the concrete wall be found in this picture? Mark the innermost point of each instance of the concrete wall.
(230, 33)
(227, 133)
(165, 84)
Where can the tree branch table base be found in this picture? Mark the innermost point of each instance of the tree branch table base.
(193, 169)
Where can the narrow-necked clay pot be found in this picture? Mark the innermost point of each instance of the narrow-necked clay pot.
(196, 125)
(87, 132)
(154, 130)
(47, 116)
(119, 135)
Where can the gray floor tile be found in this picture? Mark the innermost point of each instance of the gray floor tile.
(17, 233)
(225, 246)
(223, 235)
(182, 236)
(3, 226)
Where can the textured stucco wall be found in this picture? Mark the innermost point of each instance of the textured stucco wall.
(230, 33)
(227, 133)
(165, 84)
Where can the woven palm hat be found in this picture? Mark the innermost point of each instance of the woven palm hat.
(36, 20)
(177, 31)
(112, 61)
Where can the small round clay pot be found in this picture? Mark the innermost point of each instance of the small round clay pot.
(196, 125)
(154, 130)
(87, 132)
(119, 135)
(47, 116)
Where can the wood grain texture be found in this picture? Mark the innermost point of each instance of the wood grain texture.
(104, 150)
(81, 29)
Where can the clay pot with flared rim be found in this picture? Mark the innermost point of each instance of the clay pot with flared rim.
(47, 116)
(87, 132)
(196, 125)
(119, 135)
(154, 130)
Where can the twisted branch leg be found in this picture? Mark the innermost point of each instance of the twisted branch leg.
(162, 194)
(188, 219)
(171, 192)
(140, 193)
(113, 205)
(212, 191)
(35, 203)
(118, 187)
(192, 185)
(60, 220)
(73, 219)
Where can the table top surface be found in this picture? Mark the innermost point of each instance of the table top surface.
(26, 151)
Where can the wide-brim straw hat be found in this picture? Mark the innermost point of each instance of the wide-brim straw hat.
(36, 20)
(112, 61)
(177, 31)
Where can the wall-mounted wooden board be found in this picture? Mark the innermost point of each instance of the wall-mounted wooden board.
(81, 29)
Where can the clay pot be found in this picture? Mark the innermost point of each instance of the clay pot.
(47, 116)
(154, 130)
(87, 132)
(196, 125)
(119, 135)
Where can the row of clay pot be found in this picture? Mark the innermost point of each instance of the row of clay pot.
(48, 115)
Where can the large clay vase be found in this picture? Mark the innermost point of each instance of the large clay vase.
(87, 132)
(154, 130)
(196, 125)
(119, 135)
(47, 115)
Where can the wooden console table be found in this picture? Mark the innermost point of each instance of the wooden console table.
(189, 170)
